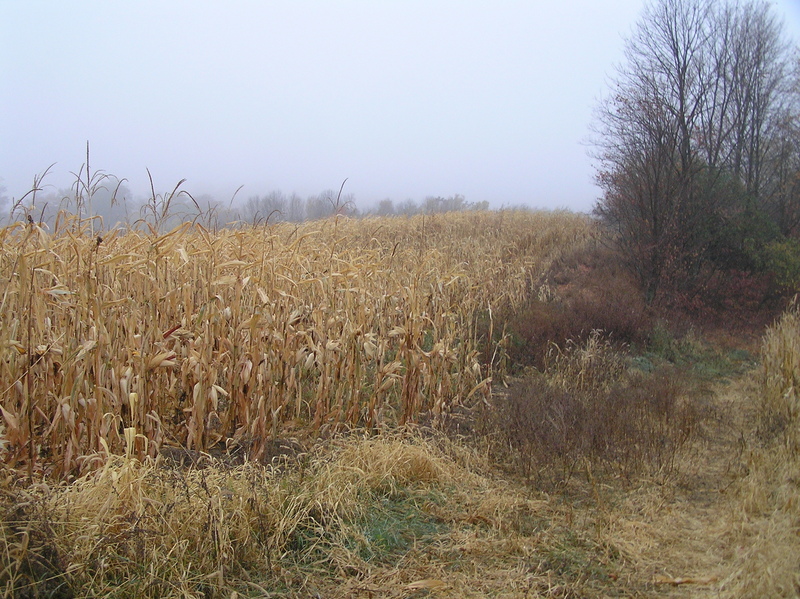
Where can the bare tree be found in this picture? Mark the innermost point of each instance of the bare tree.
(783, 204)
(296, 209)
(322, 205)
(385, 208)
(4, 199)
(646, 127)
(685, 137)
(757, 75)
(269, 208)
(407, 207)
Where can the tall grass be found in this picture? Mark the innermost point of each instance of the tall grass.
(195, 339)
(139, 529)
(766, 498)
(780, 380)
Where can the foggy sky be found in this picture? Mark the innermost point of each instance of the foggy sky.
(405, 99)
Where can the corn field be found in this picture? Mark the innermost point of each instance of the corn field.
(132, 341)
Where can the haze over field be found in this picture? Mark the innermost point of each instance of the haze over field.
(405, 99)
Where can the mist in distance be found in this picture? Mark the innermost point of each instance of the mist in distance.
(406, 100)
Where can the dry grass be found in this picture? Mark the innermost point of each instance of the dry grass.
(780, 381)
(767, 496)
(390, 516)
(333, 337)
(729, 524)
(588, 412)
(196, 338)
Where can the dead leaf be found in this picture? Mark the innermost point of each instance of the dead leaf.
(679, 580)
(163, 359)
(10, 418)
(427, 583)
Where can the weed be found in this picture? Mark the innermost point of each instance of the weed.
(589, 407)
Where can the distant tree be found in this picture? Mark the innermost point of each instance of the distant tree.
(434, 204)
(329, 203)
(110, 203)
(215, 214)
(5, 201)
(271, 207)
(407, 207)
(385, 208)
(319, 206)
(455, 203)
(296, 211)
(346, 205)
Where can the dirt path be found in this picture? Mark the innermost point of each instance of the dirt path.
(681, 533)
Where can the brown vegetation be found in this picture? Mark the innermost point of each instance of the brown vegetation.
(196, 339)
(585, 289)
(590, 410)
(621, 466)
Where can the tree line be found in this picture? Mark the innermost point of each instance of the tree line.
(108, 202)
(698, 147)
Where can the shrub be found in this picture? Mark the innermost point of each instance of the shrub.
(783, 261)
(589, 409)
(587, 289)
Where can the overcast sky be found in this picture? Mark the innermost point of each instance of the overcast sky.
(492, 100)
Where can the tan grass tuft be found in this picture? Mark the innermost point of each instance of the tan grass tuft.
(384, 513)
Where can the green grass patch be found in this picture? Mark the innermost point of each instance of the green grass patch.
(576, 559)
(692, 355)
(394, 526)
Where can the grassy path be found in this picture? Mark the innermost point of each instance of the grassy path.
(716, 529)
(677, 528)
